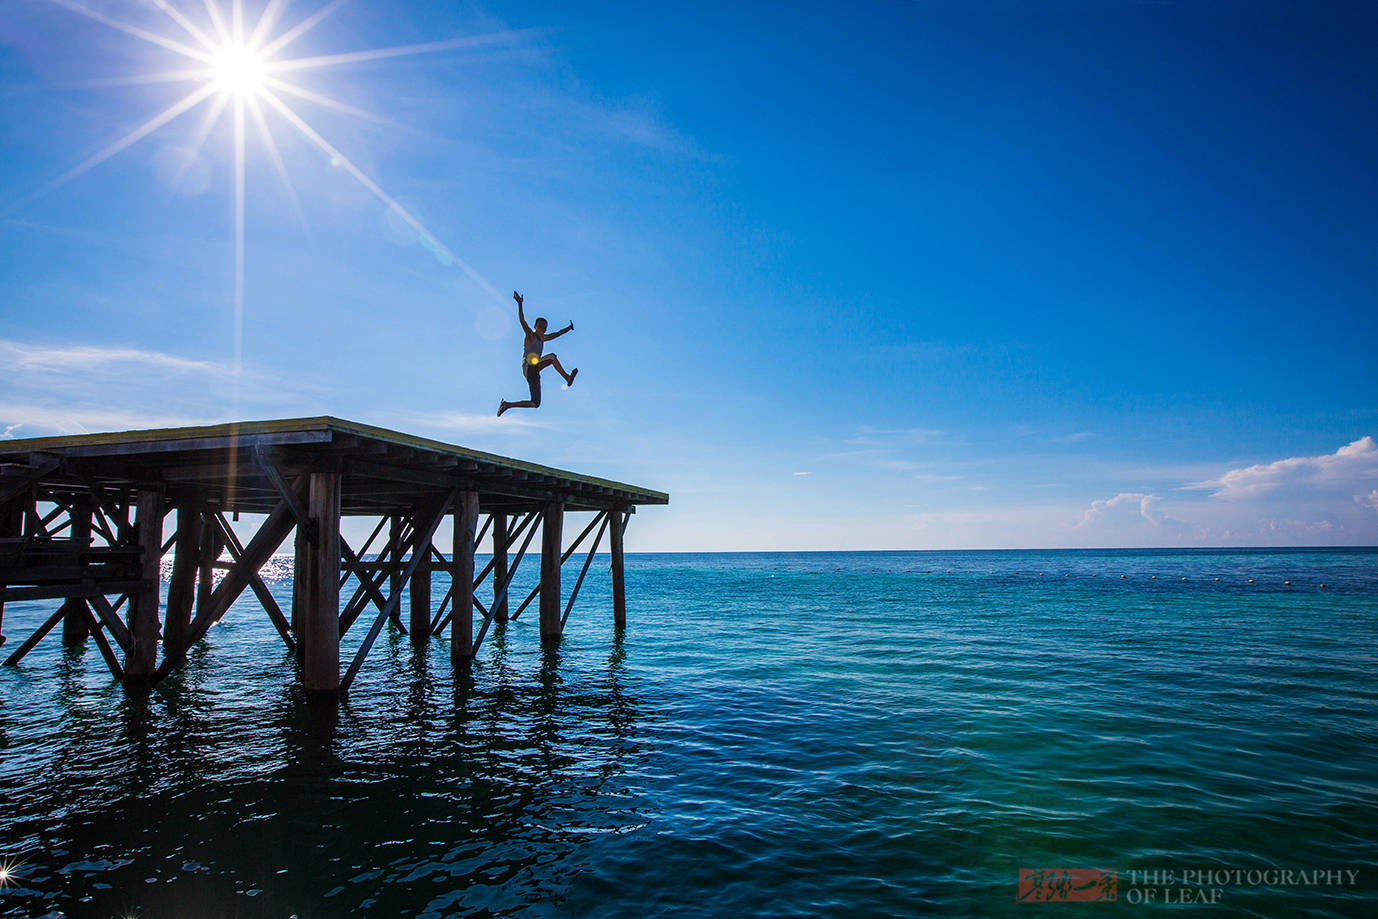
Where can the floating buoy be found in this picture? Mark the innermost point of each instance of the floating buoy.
(1251, 580)
(1123, 576)
(1286, 583)
(1154, 578)
(1066, 575)
(1322, 587)
(1093, 575)
(1184, 579)
(1217, 579)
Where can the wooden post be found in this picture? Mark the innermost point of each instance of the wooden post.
(421, 597)
(74, 627)
(395, 543)
(499, 610)
(210, 552)
(142, 657)
(186, 560)
(462, 571)
(320, 589)
(619, 592)
(552, 521)
(11, 525)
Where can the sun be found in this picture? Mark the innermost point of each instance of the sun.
(239, 70)
(235, 65)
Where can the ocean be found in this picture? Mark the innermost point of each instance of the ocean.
(774, 735)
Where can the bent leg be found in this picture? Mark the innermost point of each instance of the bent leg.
(550, 360)
(533, 383)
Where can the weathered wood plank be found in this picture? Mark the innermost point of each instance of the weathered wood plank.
(619, 591)
(552, 521)
(141, 659)
(321, 606)
(462, 577)
(499, 565)
(186, 560)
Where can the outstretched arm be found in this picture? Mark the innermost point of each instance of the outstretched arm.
(521, 317)
(568, 328)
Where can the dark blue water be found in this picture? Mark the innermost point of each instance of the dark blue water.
(831, 734)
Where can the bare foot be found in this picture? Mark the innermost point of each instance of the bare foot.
(502, 407)
(572, 374)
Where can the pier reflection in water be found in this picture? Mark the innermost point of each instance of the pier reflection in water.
(231, 794)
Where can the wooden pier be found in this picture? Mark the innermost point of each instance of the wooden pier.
(82, 521)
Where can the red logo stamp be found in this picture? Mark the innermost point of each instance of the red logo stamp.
(1066, 885)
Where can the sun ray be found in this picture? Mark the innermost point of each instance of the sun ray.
(265, 22)
(238, 358)
(301, 28)
(363, 179)
(217, 21)
(142, 131)
(275, 157)
(137, 32)
(176, 16)
(237, 7)
(311, 96)
(375, 54)
(144, 79)
(203, 130)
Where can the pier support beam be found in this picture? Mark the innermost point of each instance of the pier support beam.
(12, 527)
(552, 522)
(74, 611)
(210, 552)
(462, 573)
(421, 597)
(142, 657)
(499, 568)
(320, 588)
(186, 562)
(619, 590)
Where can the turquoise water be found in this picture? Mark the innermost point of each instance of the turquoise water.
(821, 734)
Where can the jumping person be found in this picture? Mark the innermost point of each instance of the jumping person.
(532, 360)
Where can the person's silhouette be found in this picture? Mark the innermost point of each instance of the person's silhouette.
(533, 362)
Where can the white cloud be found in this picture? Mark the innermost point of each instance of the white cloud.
(1347, 470)
(1137, 503)
(1368, 500)
(802, 473)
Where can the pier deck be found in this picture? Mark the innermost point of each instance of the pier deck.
(82, 520)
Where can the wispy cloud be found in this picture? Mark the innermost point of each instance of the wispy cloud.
(22, 420)
(72, 388)
(18, 357)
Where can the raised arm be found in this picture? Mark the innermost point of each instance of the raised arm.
(521, 317)
(568, 328)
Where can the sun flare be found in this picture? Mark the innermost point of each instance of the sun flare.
(239, 70)
(236, 66)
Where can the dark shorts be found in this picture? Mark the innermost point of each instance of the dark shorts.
(533, 381)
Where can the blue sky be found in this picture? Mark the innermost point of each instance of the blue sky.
(919, 275)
